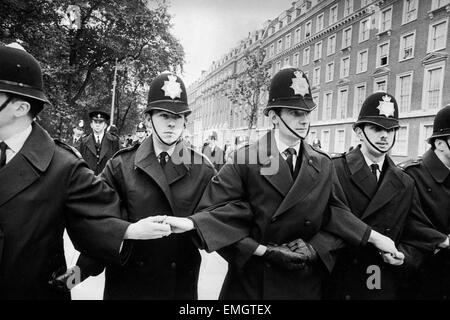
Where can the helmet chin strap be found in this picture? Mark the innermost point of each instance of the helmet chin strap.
(293, 132)
(4, 104)
(375, 147)
(159, 137)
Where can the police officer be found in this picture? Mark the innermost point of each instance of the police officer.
(214, 153)
(284, 202)
(99, 146)
(382, 196)
(141, 133)
(78, 132)
(164, 175)
(431, 174)
(46, 187)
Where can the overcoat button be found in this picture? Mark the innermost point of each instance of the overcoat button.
(173, 265)
(429, 189)
(307, 223)
(141, 263)
(310, 161)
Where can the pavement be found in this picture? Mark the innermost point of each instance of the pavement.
(212, 273)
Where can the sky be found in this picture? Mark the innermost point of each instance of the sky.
(208, 29)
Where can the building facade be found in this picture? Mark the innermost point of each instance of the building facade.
(349, 49)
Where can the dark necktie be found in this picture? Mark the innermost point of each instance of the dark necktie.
(97, 142)
(163, 158)
(374, 168)
(3, 147)
(290, 153)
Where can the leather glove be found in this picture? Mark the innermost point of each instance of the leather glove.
(284, 257)
(304, 249)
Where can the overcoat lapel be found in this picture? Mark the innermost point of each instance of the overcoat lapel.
(146, 161)
(390, 186)
(360, 174)
(26, 167)
(90, 143)
(306, 180)
(176, 171)
(270, 157)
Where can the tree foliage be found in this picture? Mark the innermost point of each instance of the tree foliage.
(79, 63)
(249, 85)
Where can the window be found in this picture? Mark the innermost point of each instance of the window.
(437, 36)
(312, 136)
(432, 92)
(347, 38)
(409, 10)
(333, 14)
(331, 45)
(360, 96)
(426, 131)
(318, 51)
(340, 141)
(316, 76)
(403, 92)
(380, 84)
(365, 3)
(348, 7)
(315, 113)
(407, 43)
(401, 142)
(361, 65)
(342, 103)
(306, 56)
(297, 35)
(325, 140)
(386, 19)
(345, 67)
(383, 54)
(272, 50)
(327, 104)
(307, 29)
(279, 46)
(278, 66)
(288, 41)
(329, 72)
(296, 60)
(319, 23)
(286, 61)
(364, 30)
(436, 4)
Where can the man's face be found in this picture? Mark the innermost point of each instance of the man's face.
(380, 137)
(168, 125)
(297, 120)
(443, 147)
(98, 126)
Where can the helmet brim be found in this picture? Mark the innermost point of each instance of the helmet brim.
(383, 122)
(174, 107)
(26, 92)
(306, 105)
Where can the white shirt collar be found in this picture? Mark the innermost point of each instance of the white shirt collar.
(380, 163)
(282, 146)
(16, 142)
(99, 135)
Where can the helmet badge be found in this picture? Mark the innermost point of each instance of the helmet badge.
(299, 84)
(172, 88)
(386, 107)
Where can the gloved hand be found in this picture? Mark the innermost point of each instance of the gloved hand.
(303, 249)
(67, 280)
(284, 257)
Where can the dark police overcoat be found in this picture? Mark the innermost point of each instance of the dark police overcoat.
(390, 207)
(97, 160)
(44, 189)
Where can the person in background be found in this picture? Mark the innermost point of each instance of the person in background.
(98, 146)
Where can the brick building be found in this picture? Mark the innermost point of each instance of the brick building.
(349, 49)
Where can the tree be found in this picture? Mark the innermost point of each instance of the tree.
(250, 84)
(78, 58)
